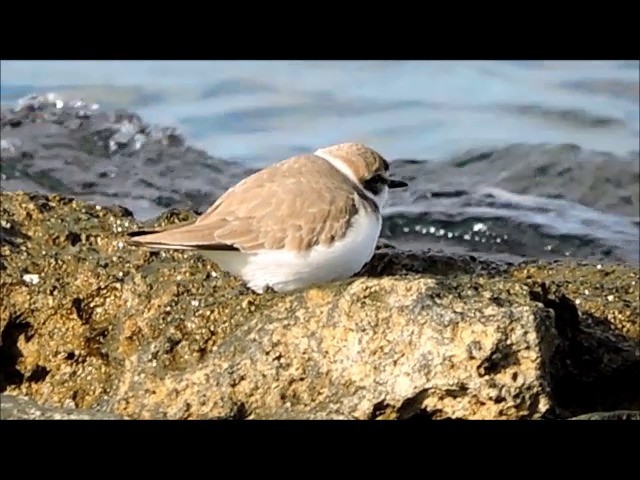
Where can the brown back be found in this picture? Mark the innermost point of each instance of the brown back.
(295, 204)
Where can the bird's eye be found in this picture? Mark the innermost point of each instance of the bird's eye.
(375, 184)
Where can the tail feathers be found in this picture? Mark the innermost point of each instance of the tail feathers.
(140, 233)
(144, 238)
(150, 239)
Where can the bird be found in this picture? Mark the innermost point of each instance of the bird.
(309, 219)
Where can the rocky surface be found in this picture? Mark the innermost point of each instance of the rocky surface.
(535, 201)
(96, 325)
(617, 415)
(20, 408)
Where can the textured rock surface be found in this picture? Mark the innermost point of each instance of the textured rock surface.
(95, 324)
(21, 408)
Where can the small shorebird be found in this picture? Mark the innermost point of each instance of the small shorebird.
(306, 220)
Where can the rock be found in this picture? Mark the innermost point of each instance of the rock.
(604, 181)
(596, 313)
(537, 201)
(20, 408)
(95, 324)
(53, 145)
(618, 415)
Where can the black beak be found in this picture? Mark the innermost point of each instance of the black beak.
(397, 183)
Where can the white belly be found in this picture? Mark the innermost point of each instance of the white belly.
(286, 271)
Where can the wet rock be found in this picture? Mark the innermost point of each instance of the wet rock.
(54, 145)
(600, 180)
(617, 415)
(95, 324)
(535, 201)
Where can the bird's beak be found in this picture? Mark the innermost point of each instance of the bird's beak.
(397, 183)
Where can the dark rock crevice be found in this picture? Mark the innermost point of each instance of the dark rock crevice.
(595, 368)
(412, 409)
(10, 354)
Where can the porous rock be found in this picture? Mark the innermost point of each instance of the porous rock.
(92, 323)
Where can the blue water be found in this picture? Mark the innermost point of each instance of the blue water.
(260, 111)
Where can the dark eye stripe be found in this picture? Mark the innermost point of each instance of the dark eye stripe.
(375, 184)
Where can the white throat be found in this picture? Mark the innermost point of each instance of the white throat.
(380, 199)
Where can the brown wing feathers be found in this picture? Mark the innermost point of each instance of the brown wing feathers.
(285, 206)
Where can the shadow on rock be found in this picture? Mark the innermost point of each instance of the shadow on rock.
(595, 309)
(596, 367)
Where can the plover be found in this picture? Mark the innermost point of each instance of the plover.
(307, 220)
